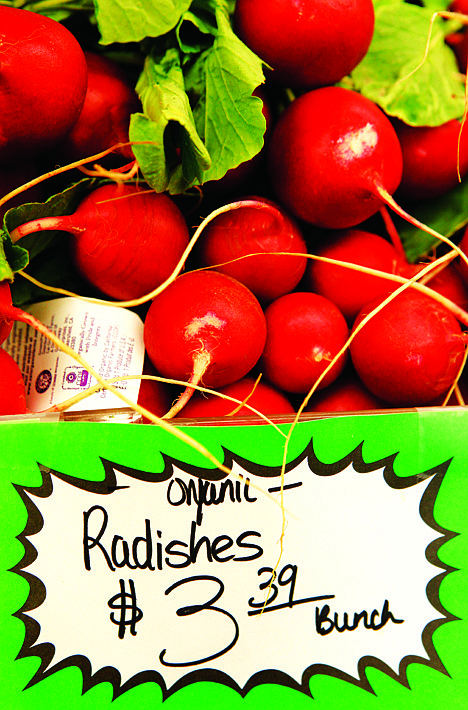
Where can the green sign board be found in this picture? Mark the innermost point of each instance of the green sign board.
(323, 566)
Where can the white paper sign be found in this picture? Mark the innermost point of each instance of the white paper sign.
(175, 576)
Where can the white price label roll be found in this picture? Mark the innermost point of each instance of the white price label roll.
(109, 338)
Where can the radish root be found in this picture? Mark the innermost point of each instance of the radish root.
(201, 361)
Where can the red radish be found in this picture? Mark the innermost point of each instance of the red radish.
(410, 352)
(305, 332)
(431, 160)
(332, 155)
(105, 116)
(350, 290)
(12, 391)
(345, 394)
(458, 42)
(43, 80)
(5, 300)
(204, 327)
(307, 43)
(127, 239)
(460, 6)
(265, 227)
(261, 396)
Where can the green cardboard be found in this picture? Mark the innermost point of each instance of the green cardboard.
(401, 451)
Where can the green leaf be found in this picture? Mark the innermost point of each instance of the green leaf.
(198, 105)
(437, 5)
(165, 102)
(57, 10)
(380, 3)
(13, 258)
(430, 96)
(446, 214)
(128, 21)
(195, 32)
(229, 118)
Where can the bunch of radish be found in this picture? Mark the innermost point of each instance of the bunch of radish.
(295, 293)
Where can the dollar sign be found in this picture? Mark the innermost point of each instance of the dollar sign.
(119, 601)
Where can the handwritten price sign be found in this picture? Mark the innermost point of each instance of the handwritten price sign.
(168, 576)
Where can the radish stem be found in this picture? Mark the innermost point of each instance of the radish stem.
(392, 232)
(63, 223)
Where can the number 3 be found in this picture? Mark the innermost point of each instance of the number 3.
(194, 609)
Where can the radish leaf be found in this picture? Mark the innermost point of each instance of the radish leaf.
(195, 32)
(164, 100)
(127, 21)
(199, 116)
(230, 118)
(13, 258)
(430, 96)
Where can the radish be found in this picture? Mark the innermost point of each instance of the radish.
(433, 160)
(458, 42)
(5, 300)
(105, 116)
(350, 290)
(261, 396)
(126, 239)
(43, 80)
(207, 327)
(265, 227)
(305, 332)
(345, 394)
(410, 352)
(332, 156)
(307, 43)
(12, 391)
(460, 6)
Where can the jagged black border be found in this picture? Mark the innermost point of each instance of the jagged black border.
(107, 486)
